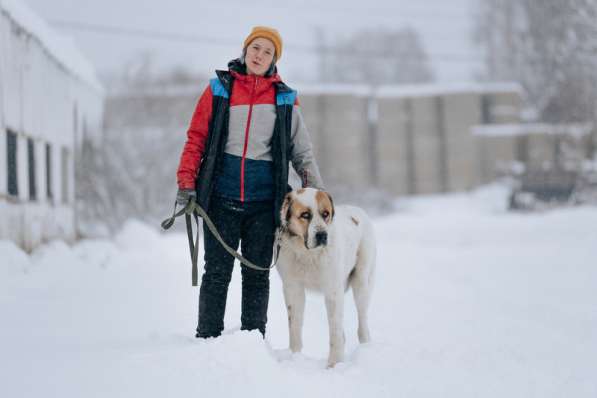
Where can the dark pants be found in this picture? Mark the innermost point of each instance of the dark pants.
(253, 224)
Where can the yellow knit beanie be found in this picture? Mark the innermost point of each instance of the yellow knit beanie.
(267, 33)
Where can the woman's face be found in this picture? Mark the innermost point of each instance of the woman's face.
(259, 56)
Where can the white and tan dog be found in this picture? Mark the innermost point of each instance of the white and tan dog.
(327, 250)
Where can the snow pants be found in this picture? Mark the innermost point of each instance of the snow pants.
(253, 224)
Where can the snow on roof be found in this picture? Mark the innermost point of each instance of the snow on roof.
(408, 90)
(427, 90)
(61, 48)
(507, 130)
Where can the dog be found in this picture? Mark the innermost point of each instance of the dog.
(325, 249)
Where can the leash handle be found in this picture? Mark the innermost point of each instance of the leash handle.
(193, 247)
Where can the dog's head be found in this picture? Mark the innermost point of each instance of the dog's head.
(306, 214)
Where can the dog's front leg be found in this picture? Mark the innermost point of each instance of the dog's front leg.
(334, 303)
(294, 295)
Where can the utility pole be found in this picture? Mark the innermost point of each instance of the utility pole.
(320, 51)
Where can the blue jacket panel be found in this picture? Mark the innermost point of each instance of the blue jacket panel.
(258, 179)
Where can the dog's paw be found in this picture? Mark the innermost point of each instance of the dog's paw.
(333, 360)
(364, 336)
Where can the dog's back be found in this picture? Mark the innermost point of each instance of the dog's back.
(354, 237)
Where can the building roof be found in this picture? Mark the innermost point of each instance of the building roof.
(505, 130)
(433, 89)
(358, 90)
(59, 47)
(409, 90)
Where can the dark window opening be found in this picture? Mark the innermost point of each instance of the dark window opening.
(49, 192)
(32, 176)
(65, 174)
(11, 149)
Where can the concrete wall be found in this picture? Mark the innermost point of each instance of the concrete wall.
(543, 147)
(426, 146)
(495, 155)
(425, 139)
(394, 130)
(503, 107)
(531, 146)
(460, 112)
(339, 128)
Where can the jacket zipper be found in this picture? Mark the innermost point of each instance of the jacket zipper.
(242, 162)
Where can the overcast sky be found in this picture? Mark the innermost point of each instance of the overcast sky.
(221, 26)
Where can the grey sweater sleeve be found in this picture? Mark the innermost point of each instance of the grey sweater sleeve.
(302, 159)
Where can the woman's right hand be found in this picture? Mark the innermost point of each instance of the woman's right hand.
(183, 196)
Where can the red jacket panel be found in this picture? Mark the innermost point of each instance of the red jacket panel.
(196, 139)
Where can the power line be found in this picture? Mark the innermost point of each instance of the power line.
(143, 33)
(181, 38)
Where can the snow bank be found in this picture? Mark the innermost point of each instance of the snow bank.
(488, 199)
(137, 235)
(14, 260)
(96, 252)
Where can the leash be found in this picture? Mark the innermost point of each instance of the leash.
(192, 208)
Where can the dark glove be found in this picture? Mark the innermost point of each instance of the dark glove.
(184, 195)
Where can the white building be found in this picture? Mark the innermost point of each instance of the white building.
(50, 101)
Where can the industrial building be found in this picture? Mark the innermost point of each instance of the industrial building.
(50, 103)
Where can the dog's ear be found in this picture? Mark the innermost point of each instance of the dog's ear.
(285, 210)
(332, 202)
(329, 198)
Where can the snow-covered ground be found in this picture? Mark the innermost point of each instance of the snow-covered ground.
(470, 301)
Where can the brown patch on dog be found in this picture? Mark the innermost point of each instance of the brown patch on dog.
(298, 225)
(354, 220)
(286, 208)
(325, 204)
(300, 191)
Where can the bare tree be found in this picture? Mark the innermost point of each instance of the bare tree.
(133, 173)
(379, 57)
(549, 46)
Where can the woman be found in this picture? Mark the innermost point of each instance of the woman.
(245, 129)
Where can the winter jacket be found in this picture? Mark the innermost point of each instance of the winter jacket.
(244, 131)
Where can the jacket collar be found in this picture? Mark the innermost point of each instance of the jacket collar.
(250, 78)
(237, 71)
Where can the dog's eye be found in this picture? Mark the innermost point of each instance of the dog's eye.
(325, 214)
(306, 215)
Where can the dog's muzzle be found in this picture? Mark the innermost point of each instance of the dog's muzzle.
(321, 238)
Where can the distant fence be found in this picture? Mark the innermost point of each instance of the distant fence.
(419, 139)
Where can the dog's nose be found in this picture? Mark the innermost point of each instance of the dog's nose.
(321, 238)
